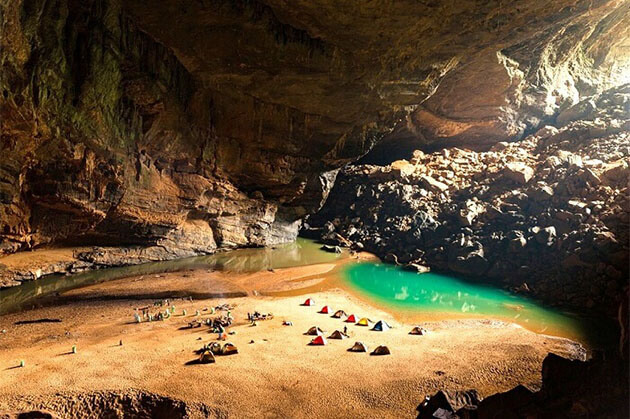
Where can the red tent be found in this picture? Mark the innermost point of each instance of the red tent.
(319, 340)
(351, 319)
(325, 310)
(309, 302)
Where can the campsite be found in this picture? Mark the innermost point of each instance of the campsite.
(270, 359)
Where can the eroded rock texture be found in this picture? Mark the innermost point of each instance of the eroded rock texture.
(188, 126)
(570, 389)
(549, 215)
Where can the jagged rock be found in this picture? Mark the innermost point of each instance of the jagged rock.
(616, 173)
(541, 191)
(545, 235)
(552, 231)
(433, 184)
(470, 212)
(578, 111)
(218, 139)
(546, 132)
(415, 267)
(569, 158)
(519, 172)
(450, 401)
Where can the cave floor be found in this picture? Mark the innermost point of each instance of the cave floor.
(276, 375)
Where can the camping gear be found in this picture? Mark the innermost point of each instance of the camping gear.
(418, 331)
(325, 310)
(206, 357)
(381, 326)
(381, 350)
(315, 331)
(339, 314)
(319, 340)
(215, 348)
(229, 349)
(364, 322)
(358, 347)
(309, 302)
(194, 324)
(351, 319)
(337, 335)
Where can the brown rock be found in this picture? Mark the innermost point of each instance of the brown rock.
(518, 172)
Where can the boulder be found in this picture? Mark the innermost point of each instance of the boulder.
(331, 249)
(403, 167)
(432, 184)
(518, 172)
(545, 235)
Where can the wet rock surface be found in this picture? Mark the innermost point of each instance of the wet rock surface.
(547, 216)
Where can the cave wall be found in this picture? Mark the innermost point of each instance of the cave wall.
(506, 93)
(197, 125)
(108, 139)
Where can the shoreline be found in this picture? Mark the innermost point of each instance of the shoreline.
(278, 372)
(315, 282)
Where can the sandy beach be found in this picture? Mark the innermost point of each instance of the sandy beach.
(278, 375)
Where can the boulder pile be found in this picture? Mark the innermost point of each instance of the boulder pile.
(548, 215)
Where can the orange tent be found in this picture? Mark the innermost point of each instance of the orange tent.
(325, 310)
(351, 319)
(309, 302)
(319, 340)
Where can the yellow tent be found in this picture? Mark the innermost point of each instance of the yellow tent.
(364, 322)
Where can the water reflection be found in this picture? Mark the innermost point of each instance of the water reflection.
(405, 291)
(302, 252)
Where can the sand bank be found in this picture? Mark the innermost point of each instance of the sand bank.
(278, 374)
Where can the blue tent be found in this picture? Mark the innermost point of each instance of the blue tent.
(381, 326)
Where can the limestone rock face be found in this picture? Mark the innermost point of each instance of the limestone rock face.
(199, 125)
(548, 216)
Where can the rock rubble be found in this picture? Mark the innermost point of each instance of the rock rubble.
(547, 215)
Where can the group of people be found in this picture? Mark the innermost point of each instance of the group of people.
(258, 316)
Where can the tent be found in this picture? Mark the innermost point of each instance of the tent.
(319, 340)
(215, 348)
(381, 350)
(206, 357)
(418, 331)
(325, 310)
(351, 319)
(358, 347)
(337, 335)
(309, 302)
(364, 322)
(315, 331)
(229, 349)
(381, 326)
(339, 314)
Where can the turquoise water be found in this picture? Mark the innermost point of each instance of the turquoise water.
(407, 292)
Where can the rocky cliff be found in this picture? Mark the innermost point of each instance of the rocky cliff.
(189, 126)
(548, 216)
